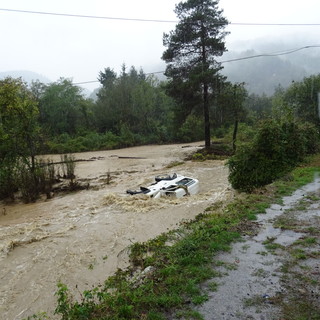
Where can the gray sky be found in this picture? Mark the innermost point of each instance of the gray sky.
(78, 48)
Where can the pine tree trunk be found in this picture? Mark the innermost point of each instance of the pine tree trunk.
(207, 137)
(234, 138)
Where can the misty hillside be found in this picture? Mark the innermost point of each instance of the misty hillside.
(263, 74)
(27, 76)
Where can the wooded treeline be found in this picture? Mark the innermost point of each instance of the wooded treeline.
(133, 109)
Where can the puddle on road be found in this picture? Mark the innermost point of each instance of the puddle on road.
(254, 278)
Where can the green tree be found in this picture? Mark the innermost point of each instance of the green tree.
(303, 98)
(239, 94)
(258, 106)
(132, 105)
(230, 109)
(19, 132)
(63, 108)
(282, 110)
(19, 128)
(190, 56)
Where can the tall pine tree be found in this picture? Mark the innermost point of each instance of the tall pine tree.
(190, 56)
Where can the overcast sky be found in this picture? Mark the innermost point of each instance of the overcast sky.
(78, 48)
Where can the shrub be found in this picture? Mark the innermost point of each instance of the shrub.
(68, 166)
(191, 130)
(28, 182)
(276, 149)
(110, 141)
(8, 183)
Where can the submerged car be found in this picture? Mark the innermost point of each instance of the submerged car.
(175, 185)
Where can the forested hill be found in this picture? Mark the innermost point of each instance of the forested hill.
(262, 73)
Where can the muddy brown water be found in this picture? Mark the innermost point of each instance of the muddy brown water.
(82, 238)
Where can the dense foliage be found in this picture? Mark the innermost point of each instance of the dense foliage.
(282, 141)
(133, 106)
(275, 149)
(62, 108)
(19, 133)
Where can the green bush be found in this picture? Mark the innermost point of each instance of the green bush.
(8, 183)
(30, 180)
(127, 138)
(89, 141)
(275, 149)
(311, 136)
(191, 130)
(110, 141)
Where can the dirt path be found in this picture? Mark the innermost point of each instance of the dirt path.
(277, 269)
(82, 238)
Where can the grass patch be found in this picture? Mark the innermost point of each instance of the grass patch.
(286, 222)
(213, 286)
(260, 273)
(313, 197)
(306, 242)
(297, 309)
(299, 254)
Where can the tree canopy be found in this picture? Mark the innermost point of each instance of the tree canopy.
(63, 108)
(19, 132)
(191, 54)
(132, 103)
(19, 127)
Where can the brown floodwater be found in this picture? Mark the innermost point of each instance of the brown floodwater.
(82, 238)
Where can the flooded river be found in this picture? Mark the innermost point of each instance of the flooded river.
(82, 238)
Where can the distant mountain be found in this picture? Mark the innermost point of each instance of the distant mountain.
(26, 75)
(262, 74)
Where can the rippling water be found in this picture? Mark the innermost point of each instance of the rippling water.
(82, 238)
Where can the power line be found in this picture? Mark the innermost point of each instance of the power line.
(86, 16)
(148, 20)
(274, 54)
(95, 81)
(274, 24)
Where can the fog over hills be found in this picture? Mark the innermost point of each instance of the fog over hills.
(261, 73)
(26, 75)
(29, 76)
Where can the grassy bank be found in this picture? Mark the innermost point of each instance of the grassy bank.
(166, 272)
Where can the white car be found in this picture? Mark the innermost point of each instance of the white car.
(175, 186)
